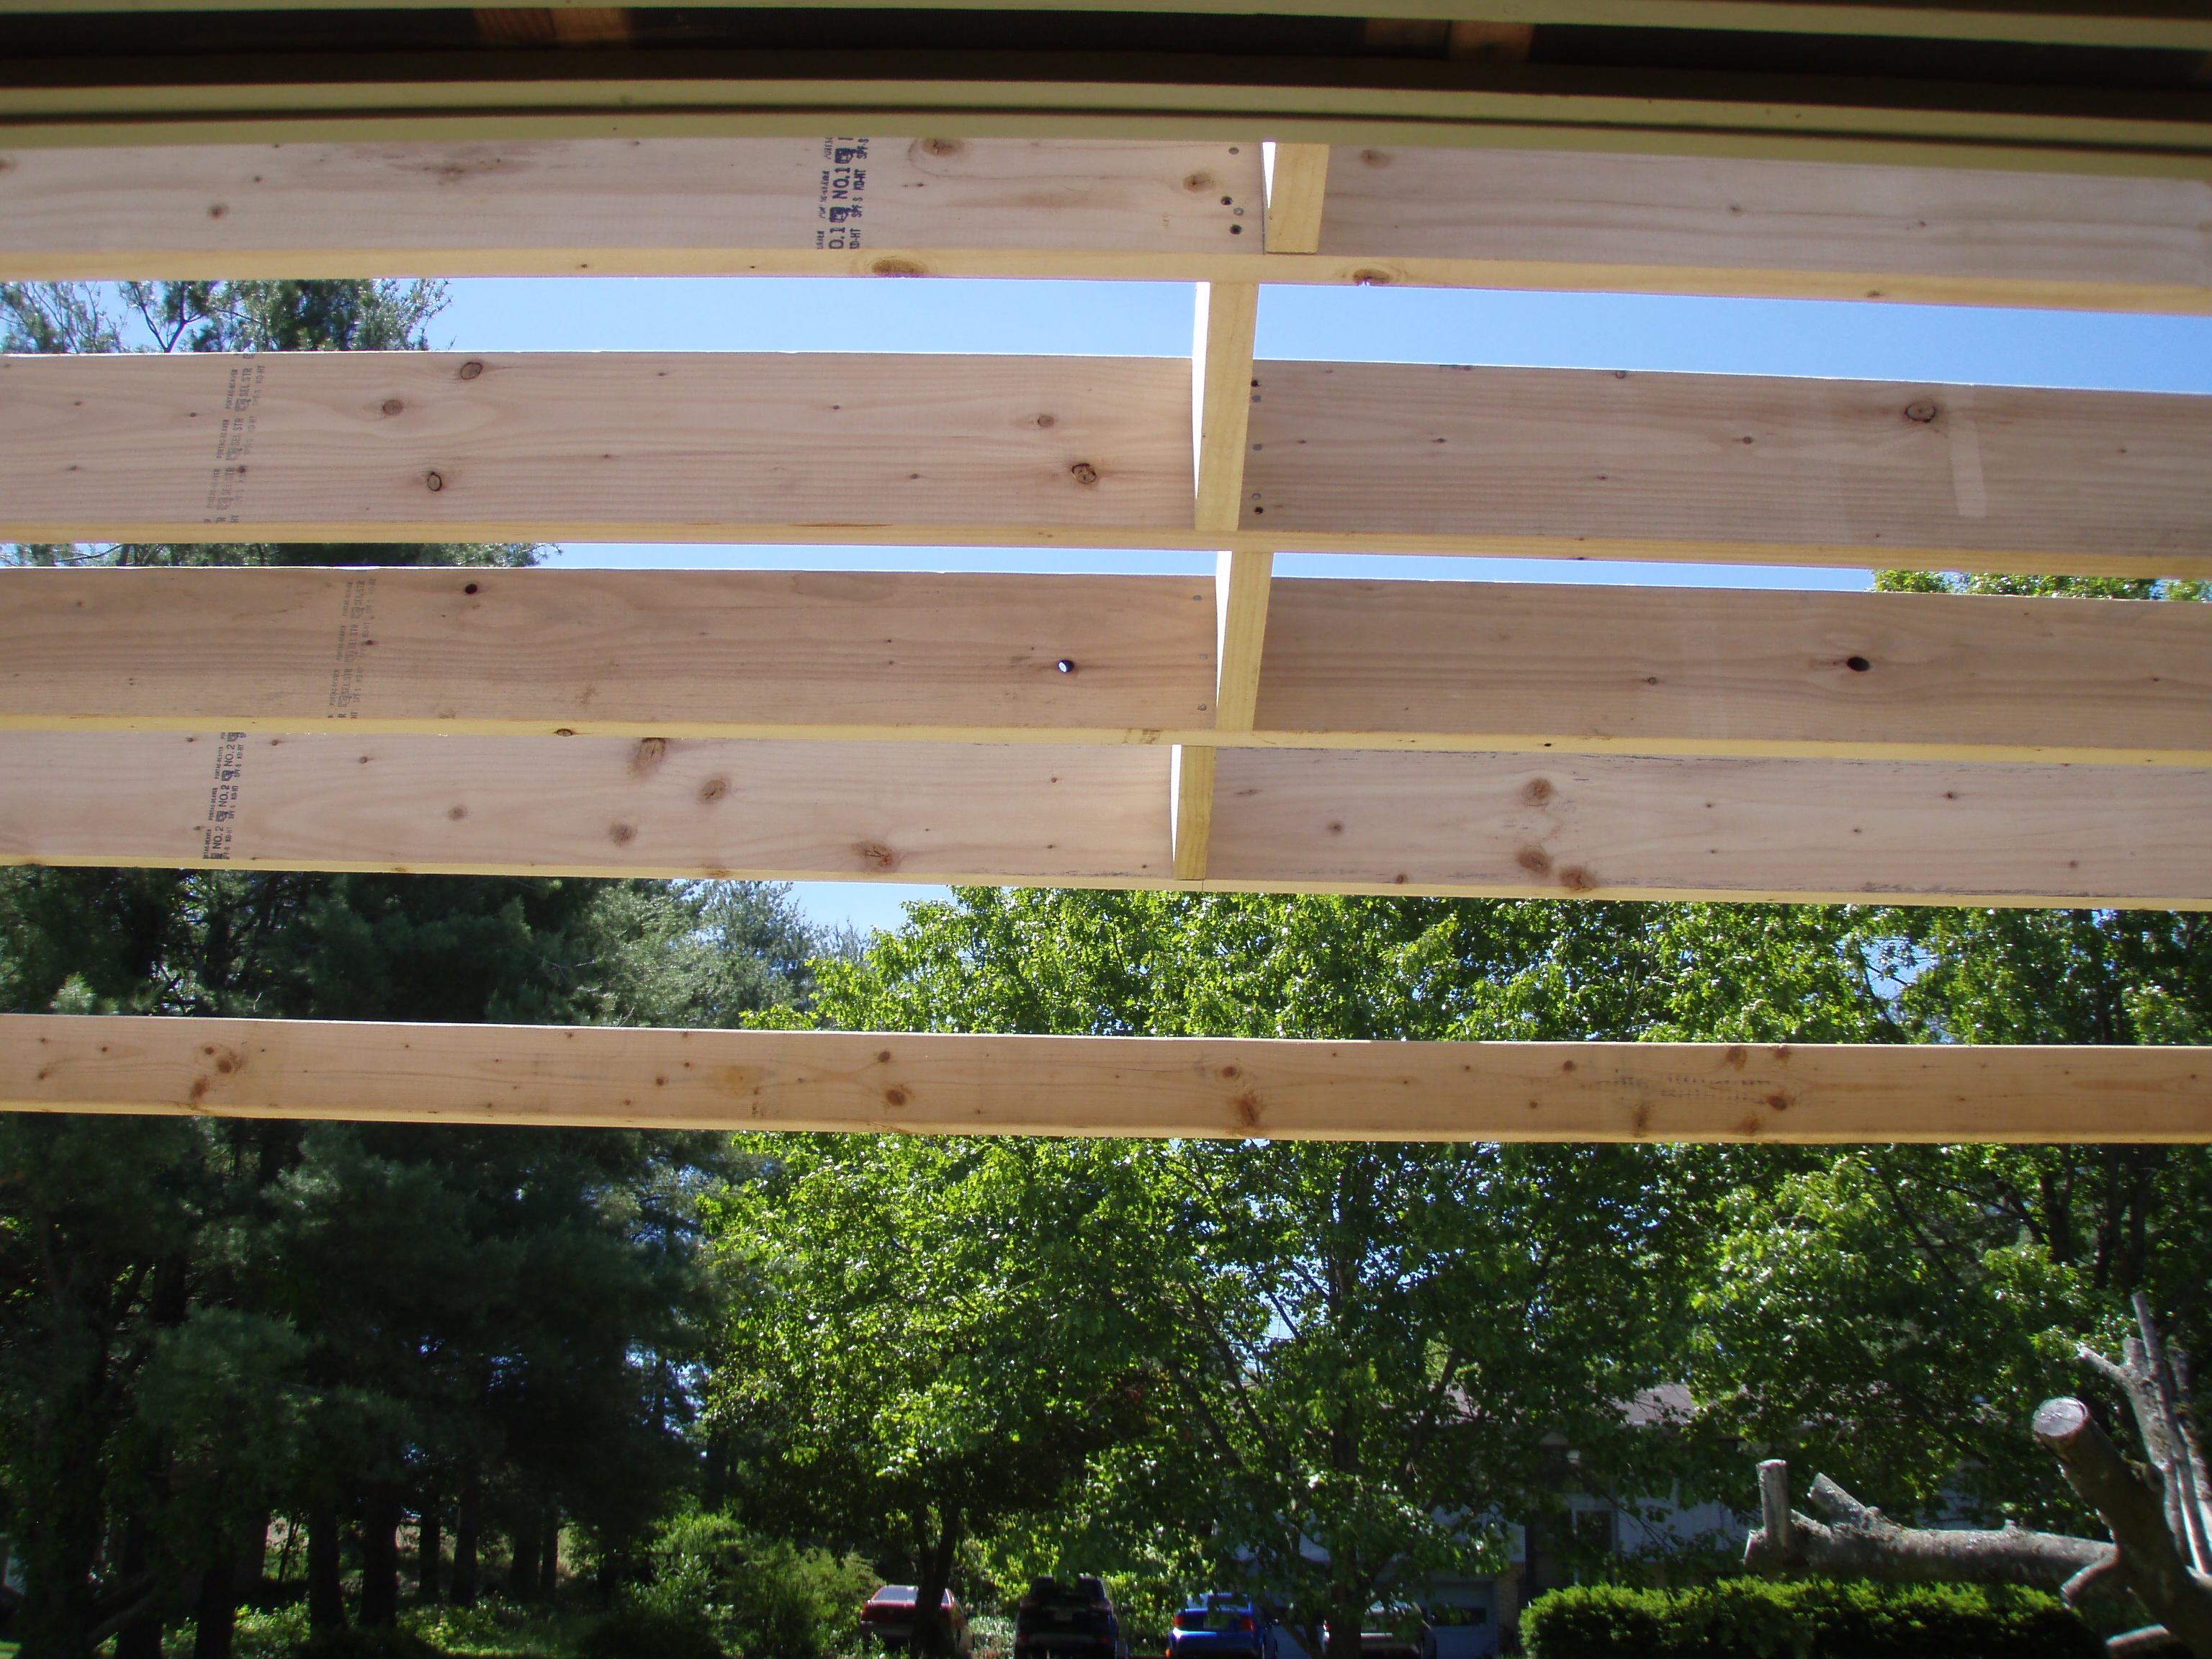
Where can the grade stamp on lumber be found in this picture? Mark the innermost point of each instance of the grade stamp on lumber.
(1728, 225)
(1221, 1088)
(1348, 821)
(844, 206)
(1355, 455)
(402, 444)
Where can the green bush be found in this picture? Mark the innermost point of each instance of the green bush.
(1752, 1618)
(379, 1642)
(635, 1633)
(758, 1598)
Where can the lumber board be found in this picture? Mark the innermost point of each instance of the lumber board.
(1725, 673)
(1497, 215)
(406, 444)
(1729, 225)
(2117, 132)
(1360, 452)
(1599, 826)
(464, 651)
(1225, 1088)
(1097, 452)
(859, 206)
(908, 657)
(1297, 186)
(1031, 814)
(1228, 315)
(1190, 808)
(1282, 820)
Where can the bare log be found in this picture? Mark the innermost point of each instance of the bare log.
(2133, 1508)
(1860, 1542)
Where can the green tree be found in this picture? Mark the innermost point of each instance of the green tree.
(1370, 1349)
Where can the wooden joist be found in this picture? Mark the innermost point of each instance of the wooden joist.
(1215, 1088)
(1097, 452)
(1437, 458)
(1505, 216)
(1038, 814)
(1112, 660)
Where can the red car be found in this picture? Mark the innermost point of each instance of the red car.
(888, 1616)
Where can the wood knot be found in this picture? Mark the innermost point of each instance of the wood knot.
(648, 755)
(456, 813)
(875, 853)
(434, 482)
(217, 209)
(1577, 880)
(1534, 859)
(895, 1097)
(898, 268)
(1198, 183)
(1536, 791)
(470, 369)
(939, 146)
(1369, 276)
(1375, 158)
(713, 789)
(392, 405)
(1921, 412)
(621, 834)
(1046, 422)
(1084, 473)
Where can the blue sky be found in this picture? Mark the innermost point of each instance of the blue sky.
(1566, 331)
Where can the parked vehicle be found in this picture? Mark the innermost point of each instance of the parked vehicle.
(1393, 1630)
(1218, 1623)
(1075, 1618)
(888, 1616)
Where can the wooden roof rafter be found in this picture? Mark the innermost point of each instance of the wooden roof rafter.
(1249, 733)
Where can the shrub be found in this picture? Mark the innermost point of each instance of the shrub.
(758, 1598)
(637, 1632)
(1752, 1618)
(375, 1642)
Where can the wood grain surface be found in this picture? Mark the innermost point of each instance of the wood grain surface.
(1030, 814)
(1612, 827)
(613, 205)
(1216, 1088)
(1731, 225)
(1040, 814)
(1905, 472)
(359, 446)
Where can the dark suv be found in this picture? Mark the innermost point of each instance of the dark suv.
(1072, 1620)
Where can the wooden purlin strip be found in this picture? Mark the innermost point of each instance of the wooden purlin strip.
(1348, 821)
(1537, 668)
(1093, 452)
(1221, 400)
(1195, 1087)
(1499, 217)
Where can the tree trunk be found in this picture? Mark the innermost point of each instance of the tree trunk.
(932, 1637)
(250, 1566)
(2148, 1557)
(430, 1546)
(1347, 1611)
(464, 1545)
(380, 1557)
(215, 1616)
(522, 1566)
(549, 1556)
(139, 1637)
(1862, 1544)
(325, 1594)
